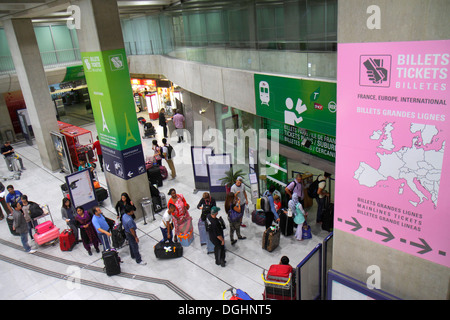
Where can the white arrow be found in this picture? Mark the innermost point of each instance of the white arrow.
(107, 167)
(129, 174)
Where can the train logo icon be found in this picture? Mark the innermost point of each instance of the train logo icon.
(264, 93)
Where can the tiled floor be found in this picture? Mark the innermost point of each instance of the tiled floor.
(53, 274)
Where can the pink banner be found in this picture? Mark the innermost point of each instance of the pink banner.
(392, 169)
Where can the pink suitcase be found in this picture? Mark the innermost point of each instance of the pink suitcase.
(44, 227)
(48, 236)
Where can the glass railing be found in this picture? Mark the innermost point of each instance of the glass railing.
(315, 59)
(50, 59)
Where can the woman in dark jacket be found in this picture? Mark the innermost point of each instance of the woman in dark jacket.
(120, 205)
(68, 214)
(163, 121)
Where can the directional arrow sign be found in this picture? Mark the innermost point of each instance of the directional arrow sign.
(130, 174)
(389, 236)
(354, 224)
(424, 245)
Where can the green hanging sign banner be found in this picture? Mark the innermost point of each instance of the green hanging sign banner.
(108, 81)
(111, 97)
(306, 104)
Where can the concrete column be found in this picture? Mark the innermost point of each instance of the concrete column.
(33, 82)
(100, 31)
(402, 274)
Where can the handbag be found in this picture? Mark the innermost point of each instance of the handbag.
(234, 215)
(306, 233)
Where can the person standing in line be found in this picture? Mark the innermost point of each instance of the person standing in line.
(178, 121)
(216, 236)
(181, 213)
(12, 197)
(239, 190)
(20, 226)
(295, 186)
(321, 195)
(102, 228)
(166, 224)
(122, 203)
(2, 201)
(26, 214)
(98, 149)
(168, 156)
(157, 152)
(163, 121)
(8, 152)
(68, 214)
(272, 214)
(234, 212)
(130, 231)
(88, 233)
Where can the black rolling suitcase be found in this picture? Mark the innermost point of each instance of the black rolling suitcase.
(112, 262)
(101, 194)
(168, 250)
(10, 221)
(286, 224)
(328, 217)
(154, 176)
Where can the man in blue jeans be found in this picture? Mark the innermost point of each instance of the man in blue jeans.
(130, 231)
(20, 226)
(102, 228)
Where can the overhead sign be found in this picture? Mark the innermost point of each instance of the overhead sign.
(300, 103)
(391, 162)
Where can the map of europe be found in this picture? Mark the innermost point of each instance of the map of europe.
(416, 164)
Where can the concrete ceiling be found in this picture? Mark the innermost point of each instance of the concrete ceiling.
(56, 10)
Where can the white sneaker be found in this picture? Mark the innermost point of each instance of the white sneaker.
(32, 251)
(143, 263)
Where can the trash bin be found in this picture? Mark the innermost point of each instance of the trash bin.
(147, 208)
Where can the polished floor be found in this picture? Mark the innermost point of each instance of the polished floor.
(53, 274)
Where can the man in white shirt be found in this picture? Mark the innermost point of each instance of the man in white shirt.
(166, 224)
(239, 189)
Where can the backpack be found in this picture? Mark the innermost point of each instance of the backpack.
(170, 152)
(35, 210)
(314, 187)
(265, 204)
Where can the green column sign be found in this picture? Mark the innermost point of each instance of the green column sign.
(112, 102)
(306, 104)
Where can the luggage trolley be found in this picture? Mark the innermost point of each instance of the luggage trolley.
(278, 286)
(45, 232)
(235, 294)
(15, 166)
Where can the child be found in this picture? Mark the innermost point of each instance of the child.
(277, 202)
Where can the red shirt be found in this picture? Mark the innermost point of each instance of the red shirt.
(97, 147)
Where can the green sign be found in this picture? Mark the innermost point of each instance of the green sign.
(306, 104)
(74, 73)
(315, 143)
(111, 97)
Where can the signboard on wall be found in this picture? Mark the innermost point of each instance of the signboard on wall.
(306, 104)
(308, 141)
(393, 124)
